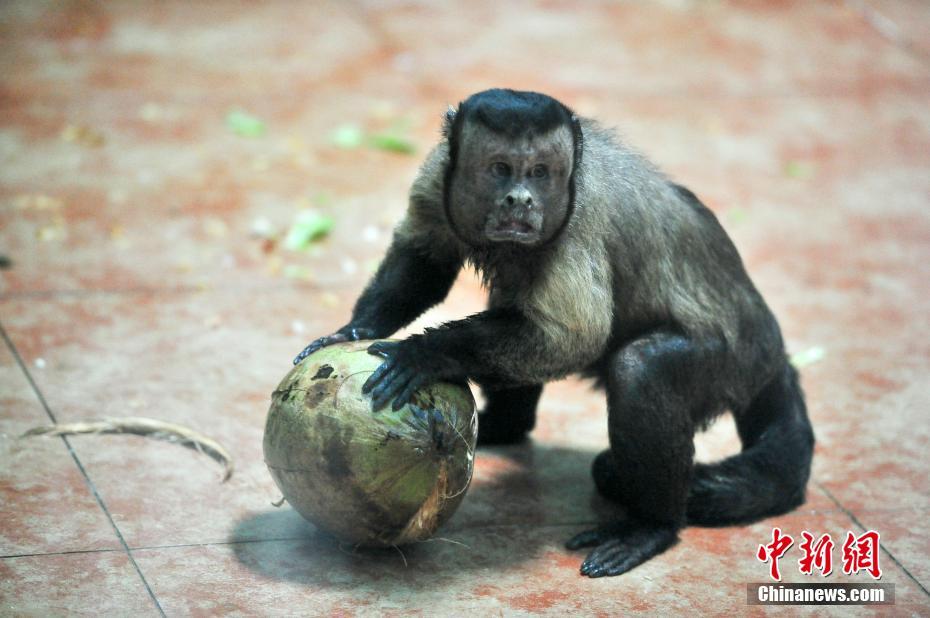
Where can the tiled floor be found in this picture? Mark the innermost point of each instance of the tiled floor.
(137, 286)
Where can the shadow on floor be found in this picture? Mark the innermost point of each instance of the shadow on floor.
(541, 496)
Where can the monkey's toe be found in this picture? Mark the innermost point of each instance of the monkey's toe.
(621, 547)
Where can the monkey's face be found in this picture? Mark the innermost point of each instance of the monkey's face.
(506, 190)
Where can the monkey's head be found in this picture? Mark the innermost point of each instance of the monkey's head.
(511, 172)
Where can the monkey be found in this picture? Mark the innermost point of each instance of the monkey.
(597, 265)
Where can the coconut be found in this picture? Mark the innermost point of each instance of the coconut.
(369, 478)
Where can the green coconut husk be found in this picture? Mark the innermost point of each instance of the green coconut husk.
(370, 478)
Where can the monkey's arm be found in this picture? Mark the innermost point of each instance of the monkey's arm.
(559, 326)
(412, 278)
(499, 345)
(458, 349)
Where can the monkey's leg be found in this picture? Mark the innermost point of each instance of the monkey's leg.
(652, 384)
(770, 475)
(509, 414)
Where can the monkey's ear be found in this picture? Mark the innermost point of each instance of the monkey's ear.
(578, 138)
(447, 119)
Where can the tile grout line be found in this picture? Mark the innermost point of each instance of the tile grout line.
(157, 289)
(886, 28)
(465, 529)
(128, 550)
(856, 521)
(288, 539)
(307, 538)
(59, 553)
(77, 461)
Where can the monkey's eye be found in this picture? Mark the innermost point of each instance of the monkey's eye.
(500, 169)
(539, 171)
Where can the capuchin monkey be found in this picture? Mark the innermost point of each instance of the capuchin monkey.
(598, 265)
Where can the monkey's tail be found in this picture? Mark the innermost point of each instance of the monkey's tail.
(769, 476)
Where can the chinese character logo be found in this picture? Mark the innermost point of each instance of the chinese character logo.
(775, 550)
(817, 555)
(861, 554)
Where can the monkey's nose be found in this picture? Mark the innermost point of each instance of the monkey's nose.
(519, 196)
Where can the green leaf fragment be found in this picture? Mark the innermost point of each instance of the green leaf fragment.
(391, 142)
(807, 357)
(736, 215)
(351, 136)
(245, 124)
(308, 227)
(348, 136)
(295, 271)
(799, 169)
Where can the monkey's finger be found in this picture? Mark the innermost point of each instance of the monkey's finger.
(319, 344)
(634, 547)
(618, 565)
(378, 375)
(384, 393)
(406, 395)
(605, 553)
(390, 385)
(619, 559)
(382, 348)
(307, 351)
(389, 388)
(379, 401)
(331, 340)
(392, 381)
(400, 383)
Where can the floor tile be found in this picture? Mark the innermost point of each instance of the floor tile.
(157, 492)
(756, 153)
(676, 47)
(84, 584)
(159, 359)
(45, 502)
(143, 282)
(905, 534)
(878, 460)
(509, 569)
(140, 145)
(902, 22)
(206, 199)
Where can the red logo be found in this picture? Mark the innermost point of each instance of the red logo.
(817, 555)
(861, 554)
(775, 550)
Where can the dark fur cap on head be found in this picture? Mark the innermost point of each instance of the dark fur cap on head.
(510, 112)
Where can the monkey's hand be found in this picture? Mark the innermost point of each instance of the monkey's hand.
(346, 333)
(622, 546)
(408, 365)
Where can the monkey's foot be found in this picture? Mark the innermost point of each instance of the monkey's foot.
(498, 429)
(622, 546)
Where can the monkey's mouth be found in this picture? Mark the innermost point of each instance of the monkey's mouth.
(512, 230)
